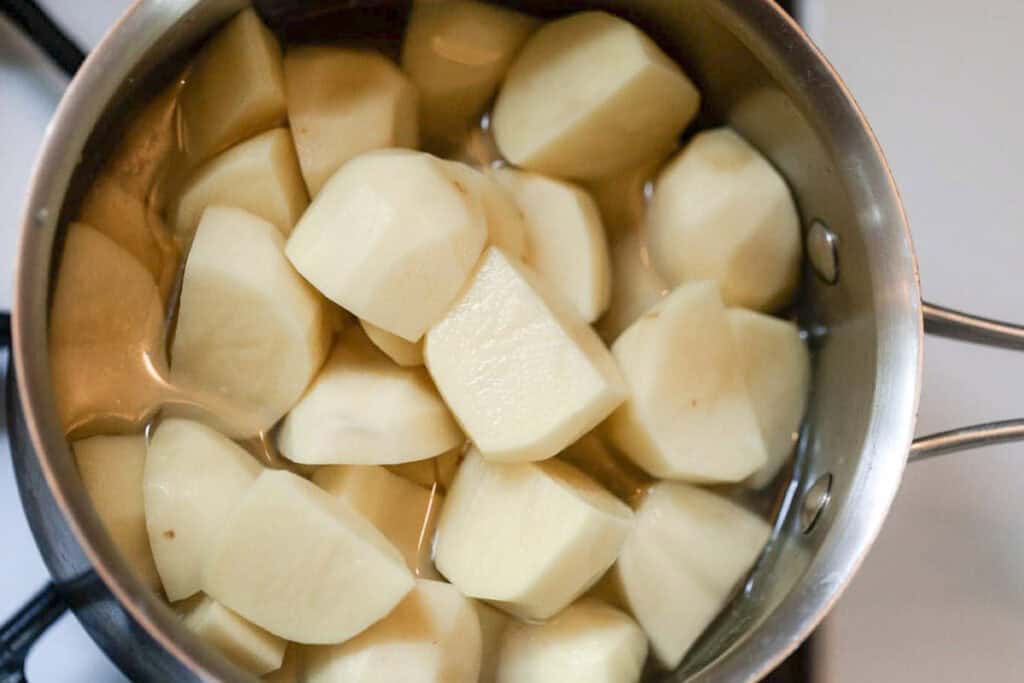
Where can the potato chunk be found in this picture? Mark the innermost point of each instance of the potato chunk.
(688, 550)
(405, 353)
(522, 372)
(111, 470)
(249, 329)
(527, 537)
(589, 642)
(245, 644)
(622, 197)
(303, 565)
(721, 212)
(363, 409)
(636, 287)
(567, 242)
(194, 477)
(689, 415)
(588, 96)
(456, 53)
(106, 324)
(260, 175)
(392, 238)
(506, 222)
(342, 103)
(404, 512)
(431, 637)
(777, 370)
(234, 90)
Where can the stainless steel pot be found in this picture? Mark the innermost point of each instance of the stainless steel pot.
(861, 304)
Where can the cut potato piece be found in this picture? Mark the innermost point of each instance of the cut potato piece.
(590, 95)
(777, 369)
(506, 223)
(622, 197)
(567, 243)
(721, 212)
(688, 550)
(260, 175)
(404, 512)
(522, 372)
(106, 324)
(589, 642)
(689, 415)
(290, 670)
(456, 53)
(405, 353)
(362, 409)
(493, 624)
(249, 329)
(635, 287)
(128, 220)
(527, 537)
(342, 103)
(234, 90)
(437, 470)
(245, 644)
(111, 470)
(392, 238)
(433, 636)
(303, 565)
(194, 478)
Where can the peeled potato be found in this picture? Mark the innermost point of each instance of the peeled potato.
(405, 353)
(493, 624)
(392, 238)
(363, 409)
(456, 53)
(587, 642)
(506, 223)
(303, 565)
(622, 197)
(245, 644)
(567, 242)
(721, 212)
(527, 537)
(688, 550)
(234, 90)
(522, 372)
(260, 175)
(777, 370)
(433, 636)
(106, 324)
(290, 670)
(194, 477)
(636, 286)
(111, 470)
(437, 470)
(250, 330)
(342, 103)
(590, 95)
(689, 415)
(404, 512)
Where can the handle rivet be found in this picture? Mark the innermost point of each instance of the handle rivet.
(822, 251)
(815, 501)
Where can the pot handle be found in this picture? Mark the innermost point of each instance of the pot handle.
(946, 322)
(20, 632)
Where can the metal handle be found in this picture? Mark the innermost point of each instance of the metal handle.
(45, 33)
(20, 632)
(945, 322)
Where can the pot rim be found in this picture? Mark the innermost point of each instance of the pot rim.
(799, 67)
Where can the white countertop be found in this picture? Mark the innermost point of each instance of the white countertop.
(941, 597)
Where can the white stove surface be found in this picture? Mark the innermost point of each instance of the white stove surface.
(941, 597)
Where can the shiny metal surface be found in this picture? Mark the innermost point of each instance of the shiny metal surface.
(823, 252)
(759, 73)
(814, 502)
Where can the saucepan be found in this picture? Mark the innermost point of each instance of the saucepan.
(860, 305)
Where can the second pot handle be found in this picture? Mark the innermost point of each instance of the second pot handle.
(20, 632)
(946, 322)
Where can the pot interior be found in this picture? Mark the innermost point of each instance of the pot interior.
(757, 73)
